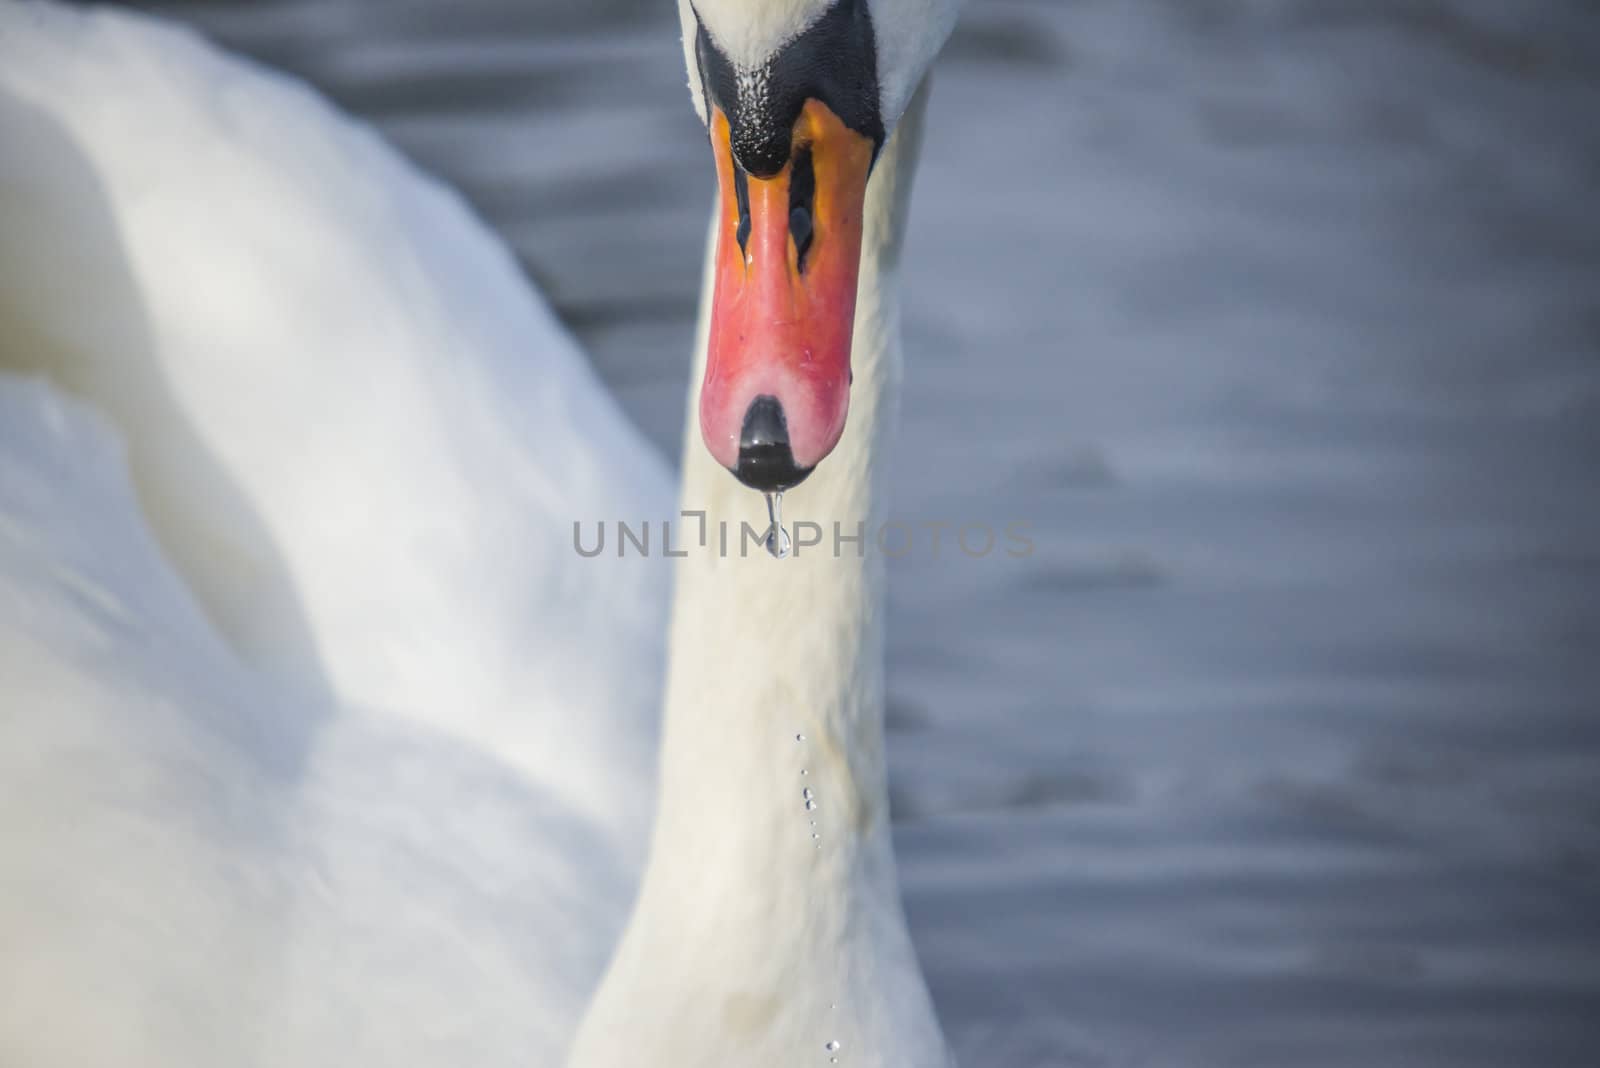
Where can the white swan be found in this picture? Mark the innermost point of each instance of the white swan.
(394, 814)
(753, 943)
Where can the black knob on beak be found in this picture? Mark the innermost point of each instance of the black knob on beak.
(765, 460)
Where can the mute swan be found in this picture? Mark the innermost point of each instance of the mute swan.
(394, 814)
(754, 942)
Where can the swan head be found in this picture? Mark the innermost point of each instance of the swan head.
(798, 97)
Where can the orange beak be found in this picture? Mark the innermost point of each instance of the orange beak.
(777, 379)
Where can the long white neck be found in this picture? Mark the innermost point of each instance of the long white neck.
(754, 942)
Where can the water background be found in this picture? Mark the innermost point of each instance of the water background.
(1279, 322)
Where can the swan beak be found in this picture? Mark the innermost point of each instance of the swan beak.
(777, 380)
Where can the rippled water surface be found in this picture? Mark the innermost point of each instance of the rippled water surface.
(1278, 322)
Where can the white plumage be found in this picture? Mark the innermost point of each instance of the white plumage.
(321, 745)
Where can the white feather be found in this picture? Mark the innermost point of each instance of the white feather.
(320, 744)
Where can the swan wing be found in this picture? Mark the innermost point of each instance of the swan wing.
(321, 741)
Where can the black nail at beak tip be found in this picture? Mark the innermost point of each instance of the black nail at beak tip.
(766, 462)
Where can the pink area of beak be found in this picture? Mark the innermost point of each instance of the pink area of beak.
(778, 330)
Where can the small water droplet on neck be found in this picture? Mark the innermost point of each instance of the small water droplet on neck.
(807, 794)
(832, 1045)
(799, 737)
(777, 542)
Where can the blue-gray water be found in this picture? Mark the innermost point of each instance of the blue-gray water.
(1279, 322)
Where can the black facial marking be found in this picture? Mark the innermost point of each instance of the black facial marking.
(834, 61)
(802, 190)
(741, 194)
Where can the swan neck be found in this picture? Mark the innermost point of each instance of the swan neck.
(769, 920)
(777, 665)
